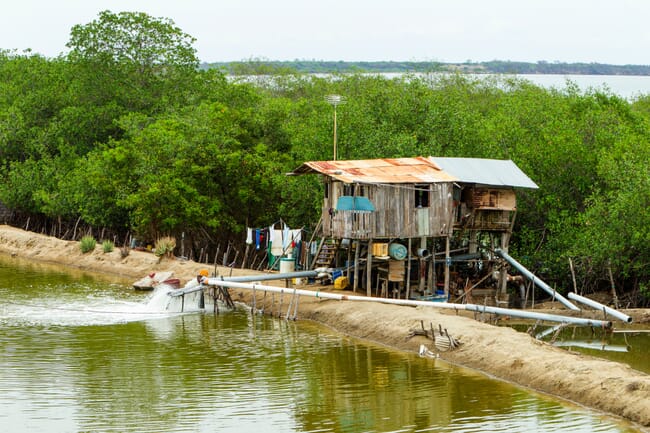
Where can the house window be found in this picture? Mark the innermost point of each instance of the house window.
(421, 195)
(352, 189)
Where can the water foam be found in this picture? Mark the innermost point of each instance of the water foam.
(91, 310)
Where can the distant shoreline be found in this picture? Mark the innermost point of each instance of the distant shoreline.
(252, 66)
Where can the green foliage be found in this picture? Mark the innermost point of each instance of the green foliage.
(135, 39)
(130, 61)
(108, 246)
(644, 290)
(87, 244)
(617, 219)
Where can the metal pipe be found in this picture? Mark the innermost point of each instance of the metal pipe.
(413, 303)
(248, 278)
(268, 277)
(578, 321)
(598, 306)
(593, 346)
(541, 284)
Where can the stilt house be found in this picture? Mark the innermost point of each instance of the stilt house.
(423, 225)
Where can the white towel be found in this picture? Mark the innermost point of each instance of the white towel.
(276, 243)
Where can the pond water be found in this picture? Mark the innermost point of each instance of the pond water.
(628, 344)
(83, 353)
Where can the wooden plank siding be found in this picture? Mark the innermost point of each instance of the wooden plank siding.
(395, 215)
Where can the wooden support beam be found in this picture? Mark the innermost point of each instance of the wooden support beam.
(447, 263)
(369, 270)
(408, 272)
(357, 248)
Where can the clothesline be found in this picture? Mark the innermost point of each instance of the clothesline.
(280, 240)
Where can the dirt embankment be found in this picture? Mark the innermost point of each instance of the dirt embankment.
(499, 351)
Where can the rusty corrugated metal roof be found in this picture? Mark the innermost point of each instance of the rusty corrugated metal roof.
(385, 170)
(421, 170)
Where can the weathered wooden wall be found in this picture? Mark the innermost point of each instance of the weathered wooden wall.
(396, 214)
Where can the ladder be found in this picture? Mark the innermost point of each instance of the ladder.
(326, 253)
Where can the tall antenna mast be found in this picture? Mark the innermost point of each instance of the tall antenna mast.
(335, 101)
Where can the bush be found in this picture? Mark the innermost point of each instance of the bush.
(87, 244)
(165, 247)
(107, 246)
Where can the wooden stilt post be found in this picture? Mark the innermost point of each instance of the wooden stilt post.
(447, 263)
(503, 275)
(430, 279)
(245, 259)
(347, 265)
(408, 272)
(369, 270)
(355, 284)
(433, 263)
(422, 265)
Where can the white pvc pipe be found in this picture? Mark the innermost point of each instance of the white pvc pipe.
(598, 306)
(248, 278)
(413, 303)
(539, 283)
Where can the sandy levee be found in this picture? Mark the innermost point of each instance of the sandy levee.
(501, 352)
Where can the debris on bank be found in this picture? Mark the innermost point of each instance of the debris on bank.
(443, 341)
(156, 278)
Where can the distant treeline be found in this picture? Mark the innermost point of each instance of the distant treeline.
(256, 66)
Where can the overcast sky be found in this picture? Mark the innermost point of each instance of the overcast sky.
(602, 31)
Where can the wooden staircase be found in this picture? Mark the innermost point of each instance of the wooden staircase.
(326, 253)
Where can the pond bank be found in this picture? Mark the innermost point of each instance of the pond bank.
(498, 351)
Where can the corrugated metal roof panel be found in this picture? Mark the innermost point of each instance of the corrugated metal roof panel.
(493, 172)
(394, 170)
(422, 170)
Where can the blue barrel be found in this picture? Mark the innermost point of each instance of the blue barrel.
(397, 251)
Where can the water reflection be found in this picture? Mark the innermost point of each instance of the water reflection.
(231, 373)
(628, 344)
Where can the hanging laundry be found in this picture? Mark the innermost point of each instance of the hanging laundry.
(286, 237)
(249, 236)
(277, 248)
(296, 235)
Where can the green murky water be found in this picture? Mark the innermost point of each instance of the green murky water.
(79, 353)
(626, 343)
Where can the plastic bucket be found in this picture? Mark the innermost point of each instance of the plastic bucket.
(287, 265)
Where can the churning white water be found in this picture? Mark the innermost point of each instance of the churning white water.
(68, 309)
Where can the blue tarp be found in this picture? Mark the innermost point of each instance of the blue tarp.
(359, 204)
